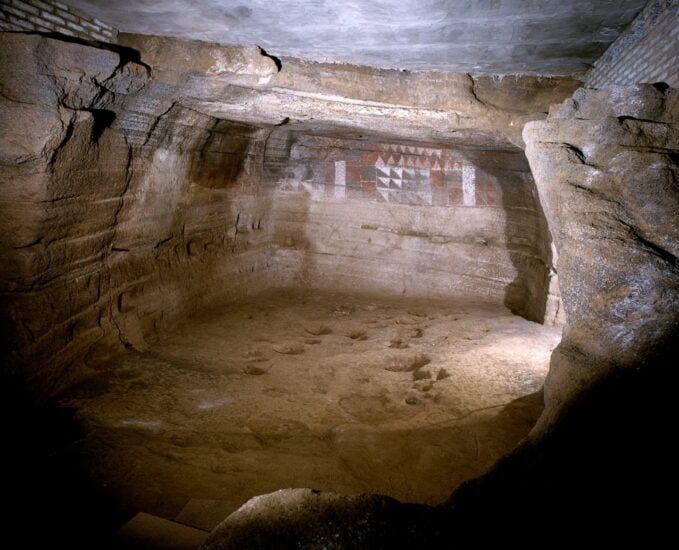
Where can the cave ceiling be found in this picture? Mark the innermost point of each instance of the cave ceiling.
(479, 37)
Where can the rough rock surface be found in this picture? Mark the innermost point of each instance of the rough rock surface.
(131, 196)
(303, 518)
(598, 462)
(398, 396)
(113, 201)
(410, 219)
(134, 181)
(423, 106)
(605, 163)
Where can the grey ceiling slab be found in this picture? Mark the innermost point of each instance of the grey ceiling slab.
(480, 36)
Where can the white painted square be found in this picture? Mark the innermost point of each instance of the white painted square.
(340, 179)
(468, 185)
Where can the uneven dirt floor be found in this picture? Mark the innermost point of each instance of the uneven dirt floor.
(334, 392)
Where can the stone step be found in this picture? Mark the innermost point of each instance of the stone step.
(146, 531)
(204, 514)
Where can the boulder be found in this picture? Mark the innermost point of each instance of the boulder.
(305, 518)
(605, 165)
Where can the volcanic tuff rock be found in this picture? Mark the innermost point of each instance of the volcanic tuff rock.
(599, 458)
(422, 106)
(132, 195)
(304, 518)
(605, 164)
(134, 184)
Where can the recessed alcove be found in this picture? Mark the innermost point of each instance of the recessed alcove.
(384, 324)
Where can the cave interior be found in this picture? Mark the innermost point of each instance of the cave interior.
(308, 275)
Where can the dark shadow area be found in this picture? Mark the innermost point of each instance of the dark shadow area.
(276, 60)
(102, 119)
(50, 499)
(605, 472)
(221, 160)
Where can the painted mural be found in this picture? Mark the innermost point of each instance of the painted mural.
(389, 173)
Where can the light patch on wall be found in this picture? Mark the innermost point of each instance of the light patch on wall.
(468, 185)
(340, 179)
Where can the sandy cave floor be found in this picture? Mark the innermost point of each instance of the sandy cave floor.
(329, 391)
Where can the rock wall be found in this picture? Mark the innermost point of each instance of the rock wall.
(243, 84)
(605, 163)
(411, 219)
(599, 464)
(144, 180)
(133, 194)
(598, 461)
(120, 213)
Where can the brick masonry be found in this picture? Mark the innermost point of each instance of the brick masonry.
(49, 16)
(648, 51)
